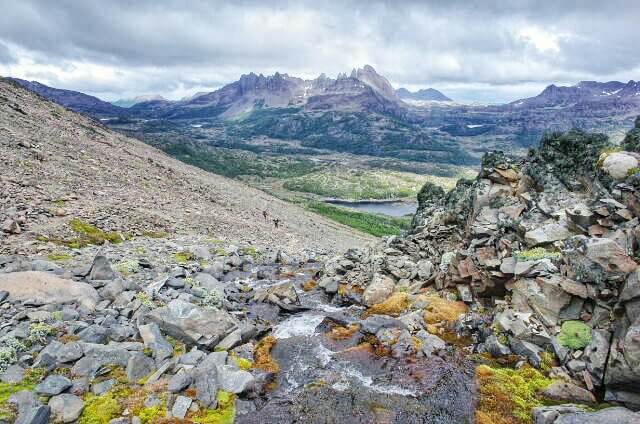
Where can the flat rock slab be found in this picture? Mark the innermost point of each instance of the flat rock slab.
(193, 324)
(44, 288)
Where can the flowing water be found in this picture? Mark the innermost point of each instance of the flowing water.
(324, 380)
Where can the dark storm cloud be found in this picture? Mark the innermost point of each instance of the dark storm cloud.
(172, 46)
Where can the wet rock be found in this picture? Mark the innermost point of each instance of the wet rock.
(193, 324)
(44, 288)
(66, 407)
(375, 323)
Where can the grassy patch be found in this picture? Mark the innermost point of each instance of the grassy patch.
(507, 396)
(364, 184)
(225, 413)
(59, 256)
(374, 224)
(31, 378)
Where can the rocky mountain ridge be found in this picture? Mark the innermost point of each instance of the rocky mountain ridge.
(429, 94)
(60, 166)
(535, 262)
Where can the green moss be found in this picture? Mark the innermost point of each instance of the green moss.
(102, 409)
(7, 411)
(183, 257)
(145, 299)
(574, 334)
(536, 254)
(38, 333)
(152, 414)
(633, 171)
(225, 413)
(60, 203)
(90, 234)
(509, 395)
(59, 256)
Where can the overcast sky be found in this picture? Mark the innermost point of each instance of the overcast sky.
(471, 50)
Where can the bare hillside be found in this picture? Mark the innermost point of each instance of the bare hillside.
(58, 165)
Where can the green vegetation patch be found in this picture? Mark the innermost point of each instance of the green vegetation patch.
(183, 257)
(102, 409)
(536, 254)
(507, 396)
(574, 334)
(31, 378)
(225, 413)
(374, 224)
(59, 256)
(364, 184)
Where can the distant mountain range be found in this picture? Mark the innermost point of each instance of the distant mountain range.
(74, 100)
(362, 113)
(429, 94)
(138, 99)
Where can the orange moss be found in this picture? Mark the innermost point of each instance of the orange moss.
(343, 333)
(393, 306)
(440, 310)
(309, 285)
(262, 355)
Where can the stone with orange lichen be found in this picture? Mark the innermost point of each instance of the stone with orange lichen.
(309, 285)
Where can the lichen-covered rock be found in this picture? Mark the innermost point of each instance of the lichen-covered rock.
(619, 164)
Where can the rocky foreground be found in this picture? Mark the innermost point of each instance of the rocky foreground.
(532, 270)
(515, 299)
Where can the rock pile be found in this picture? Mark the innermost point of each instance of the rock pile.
(544, 253)
(107, 343)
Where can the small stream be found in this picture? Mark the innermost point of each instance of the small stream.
(323, 380)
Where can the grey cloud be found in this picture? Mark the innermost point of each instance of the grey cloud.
(6, 56)
(171, 45)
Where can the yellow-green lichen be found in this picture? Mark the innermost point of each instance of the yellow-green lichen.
(250, 251)
(155, 234)
(102, 409)
(90, 234)
(507, 396)
(536, 254)
(242, 363)
(179, 348)
(225, 413)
